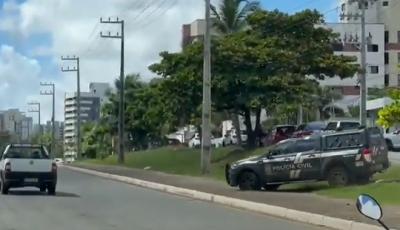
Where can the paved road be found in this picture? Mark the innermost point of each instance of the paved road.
(394, 157)
(91, 203)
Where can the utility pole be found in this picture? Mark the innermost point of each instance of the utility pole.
(121, 110)
(206, 110)
(37, 110)
(52, 93)
(363, 82)
(78, 100)
(363, 48)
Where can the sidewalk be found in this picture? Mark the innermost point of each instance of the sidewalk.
(308, 202)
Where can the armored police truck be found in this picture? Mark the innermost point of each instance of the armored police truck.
(340, 158)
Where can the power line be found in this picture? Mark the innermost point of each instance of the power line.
(156, 18)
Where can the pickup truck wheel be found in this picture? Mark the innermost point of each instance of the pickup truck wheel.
(249, 181)
(51, 189)
(338, 176)
(271, 187)
(4, 187)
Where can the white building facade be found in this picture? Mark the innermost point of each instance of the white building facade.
(384, 12)
(348, 44)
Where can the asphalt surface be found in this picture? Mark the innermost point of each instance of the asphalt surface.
(394, 157)
(91, 203)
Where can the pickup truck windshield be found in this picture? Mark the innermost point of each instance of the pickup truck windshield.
(26, 153)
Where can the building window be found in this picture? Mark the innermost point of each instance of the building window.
(386, 58)
(374, 69)
(373, 48)
(398, 79)
(386, 37)
(385, 3)
(398, 36)
(386, 79)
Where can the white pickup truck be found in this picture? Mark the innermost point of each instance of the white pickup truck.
(26, 165)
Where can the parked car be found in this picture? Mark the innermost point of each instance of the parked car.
(341, 125)
(309, 129)
(280, 132)
(25, 165)
(195, 142)
(339, 158)
(393, 140)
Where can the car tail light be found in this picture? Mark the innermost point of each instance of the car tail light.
(8, 167)
(54, 167)
(367, 154)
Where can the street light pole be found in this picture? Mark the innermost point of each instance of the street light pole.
(206, 110)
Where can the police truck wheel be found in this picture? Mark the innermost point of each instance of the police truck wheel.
(271, 187)
(338, 176)
(249, 181)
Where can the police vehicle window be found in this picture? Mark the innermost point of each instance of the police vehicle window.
(315, 126)
(26, 153)
(331, 126)
(304, 145)
(349, 125)
(283, 148)
(344, 141)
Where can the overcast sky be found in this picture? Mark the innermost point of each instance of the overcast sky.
(35, 33)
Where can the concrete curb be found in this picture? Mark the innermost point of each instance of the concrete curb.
(291, 214)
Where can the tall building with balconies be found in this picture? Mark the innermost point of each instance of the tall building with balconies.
(89, 112)
(384, 12)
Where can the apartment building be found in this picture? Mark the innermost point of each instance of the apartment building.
(58, 129)
(349, 44)
(16, 123)
(384, 12)
(89, 112)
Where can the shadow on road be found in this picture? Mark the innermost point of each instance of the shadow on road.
(37, 193)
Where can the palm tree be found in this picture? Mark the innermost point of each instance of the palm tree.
(229, 18)
(231, 15)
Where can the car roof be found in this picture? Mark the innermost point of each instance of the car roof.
(26, 145)
(344, 120)
(342, 132)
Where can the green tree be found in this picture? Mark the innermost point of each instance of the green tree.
(261, 67)
(230, 17)
(390, 115)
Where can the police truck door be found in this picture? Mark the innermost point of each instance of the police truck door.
(307, 160)
(280, 161)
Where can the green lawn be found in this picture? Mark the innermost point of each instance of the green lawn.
(184, 161)
(385, 190)
(181, 160)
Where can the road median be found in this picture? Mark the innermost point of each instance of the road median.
(240, 202)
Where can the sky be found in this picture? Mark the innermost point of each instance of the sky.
(34, 34)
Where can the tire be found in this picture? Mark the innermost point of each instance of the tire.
(338, 176)
(4, 187)
(249, 181)
(271, 187)
(389, 144)
(51, 189)
(42, 188)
